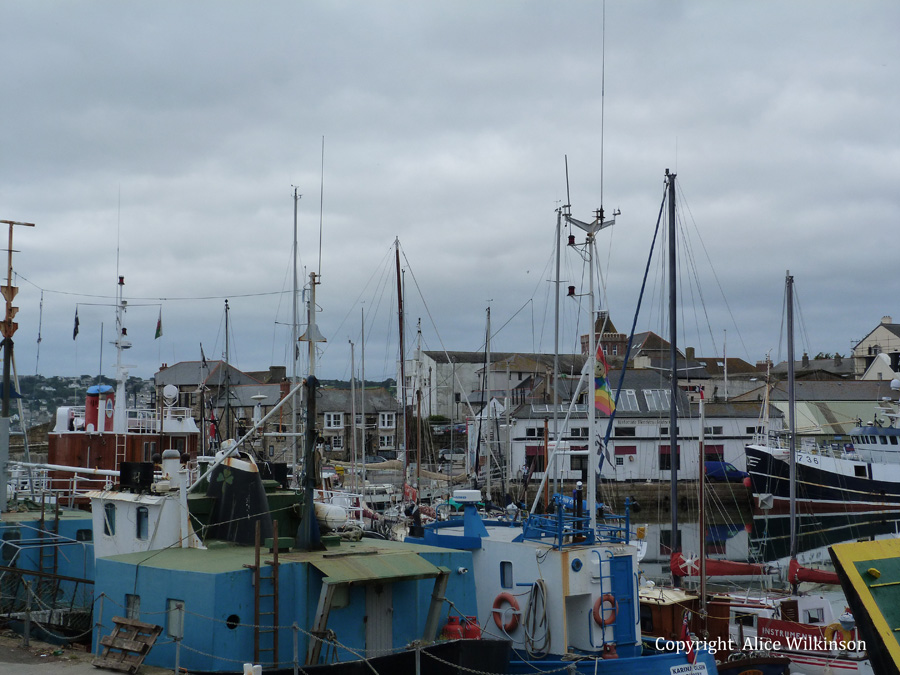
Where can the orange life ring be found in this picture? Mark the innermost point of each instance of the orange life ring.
(833, 628)
(598, 610)
(500, 612)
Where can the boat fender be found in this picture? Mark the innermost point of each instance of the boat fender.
(610, 618)
(832, 629)
(501, 612)
(609, 651)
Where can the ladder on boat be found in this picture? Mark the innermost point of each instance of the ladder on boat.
(120, 450)
(265, 603)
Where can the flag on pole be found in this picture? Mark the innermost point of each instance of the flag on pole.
(75, 332)
(158, 326)
(603, 398)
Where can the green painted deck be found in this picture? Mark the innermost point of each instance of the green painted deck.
(870, 576)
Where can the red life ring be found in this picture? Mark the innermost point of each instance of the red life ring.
(599, 609)
(500, 612)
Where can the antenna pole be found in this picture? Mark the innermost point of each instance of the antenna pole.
(673, 355)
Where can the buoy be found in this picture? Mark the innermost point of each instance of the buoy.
(501, 612)
(599, 609)
(832, 629)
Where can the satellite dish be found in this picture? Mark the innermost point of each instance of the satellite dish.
(170, 394)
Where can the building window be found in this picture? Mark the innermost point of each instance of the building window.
(658, 399)
(175, 618)
(579, 432)
(334, 420)
(531, 432)
(337, 442)
(713, 431)
(665, 542)
(387, 420)
(627, 401)
(578, 463)
(627, 432)
(385, 442)
(665, 458)
(109, 519)
(359, 420)
(664, 431)
(142, 521)
(620, 461)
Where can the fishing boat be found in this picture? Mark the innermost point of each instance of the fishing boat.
(870, 574)
(862, 476)
(230, 590)
(560, 583)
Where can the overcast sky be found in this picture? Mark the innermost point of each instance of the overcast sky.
(161, 140)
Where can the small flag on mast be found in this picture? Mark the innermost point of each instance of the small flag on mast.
(158, 326)
(75, 332)
(603, 398)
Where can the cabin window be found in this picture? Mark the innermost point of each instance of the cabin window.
(815, 615)
(109, 519)
(628, 432)
(8, 550)
(334, 420)
(646, 619)
(179, 444)
(893, 440)
(883, 440)
(628, 401)
(142, 522)
(860, 471)
(175, 618)
(658, 399)
(741, 617)
(506, 574)
(132, 606)
(84, 535)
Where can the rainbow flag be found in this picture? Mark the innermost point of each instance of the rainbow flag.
(603, 398)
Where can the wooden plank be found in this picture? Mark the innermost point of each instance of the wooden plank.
(133, 640)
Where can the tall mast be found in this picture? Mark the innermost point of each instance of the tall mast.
(673, 358)
(591, 229)
(487, 396)
(227, 380)
(402, 387)
(362, 396)
(792, 404)
(353, 412)
(122, 343)
(295, 349)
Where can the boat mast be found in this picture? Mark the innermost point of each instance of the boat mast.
(673, 355)
(227, 380)
(792, 403)
(295, 348)
(487, 397)
(362, 395)
(402, 361)
(591, 229)
(353, 414)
